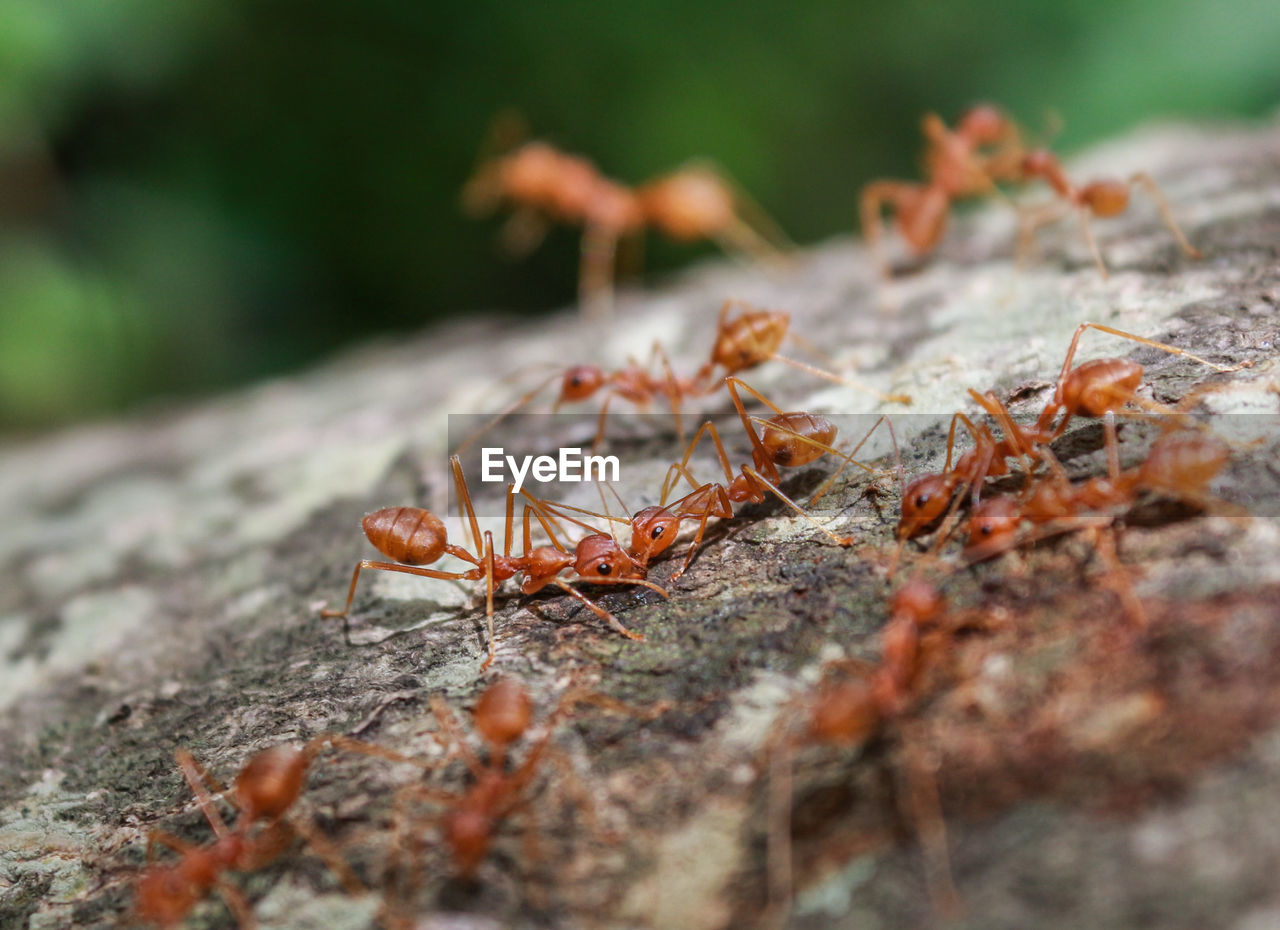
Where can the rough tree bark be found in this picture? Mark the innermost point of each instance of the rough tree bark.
(159, 577)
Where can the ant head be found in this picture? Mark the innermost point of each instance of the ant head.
(844, 713)
(992, 527)
(580, 382)
(1106, 198)
(923, 501)
(984, 124)
(918, 600)
(795, 439)
(1184, 462)
(653, 530)
(599, 557)
(468, 831)
(503, 712)
(270, 782)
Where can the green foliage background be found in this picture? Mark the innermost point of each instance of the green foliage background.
(198, 192)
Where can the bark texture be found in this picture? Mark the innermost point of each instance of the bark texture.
(159, 578)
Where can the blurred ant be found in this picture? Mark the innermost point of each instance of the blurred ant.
(265, 789)
(1102, 198)
(1098, 388)
(499, 788)
(984, 148)
(853, 711)
(414, 538)
(542, 183)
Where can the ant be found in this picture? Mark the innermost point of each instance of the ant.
(787, 440)
(742, 342)
(853, 711)
(965, 162)
(265, 789)
(502, 716)
(540, 181)
(1102, 198)
(1097, 388)
(1179, 464)
(415, 538)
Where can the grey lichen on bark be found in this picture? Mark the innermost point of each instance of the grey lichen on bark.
(159, 578)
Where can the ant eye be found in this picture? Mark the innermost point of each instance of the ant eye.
(657, 532)
(985, 529)
(604, 568)
(922, 499)
(575, 381)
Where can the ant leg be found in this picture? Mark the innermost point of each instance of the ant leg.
(707, 428)
(847, 459)
(1030, 221)
(1117, 578)
(597, 609)
(511, 408)
(874, 197)
(161, 838)
(193, 772)
(1087, 228)
(843, 381)
(488, 597)
(777, 492)
(670, 386)
(470, 575)
(778, 866)
(926, 813)
(1162, 204)
(237, 904)
(327, 850)
(721, 508)
(444, 716)
(1164, 347)
(595, 280)
(466, 510)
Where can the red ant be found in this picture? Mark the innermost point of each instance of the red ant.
(853, 711)
(957, 165)
(502, 716)
(265, 789)
(1102, 198)
(742, 342)
(1097, 388)
(541, 181)
(414, 538)
(788, 440)
(1179, 464)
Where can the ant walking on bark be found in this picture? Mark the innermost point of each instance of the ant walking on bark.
(415, 538)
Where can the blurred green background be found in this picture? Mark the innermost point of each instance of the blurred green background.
(198, 192)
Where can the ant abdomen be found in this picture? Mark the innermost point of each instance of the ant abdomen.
(1106, 198)
(794, 439)
(1094, 388)
(409, 535)
(503, 712)
(271, 781)
(1183, 462)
